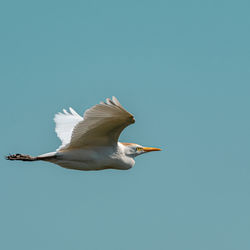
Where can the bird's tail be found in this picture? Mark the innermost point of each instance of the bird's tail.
(21, 157)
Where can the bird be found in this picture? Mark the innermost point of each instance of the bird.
(91, 142)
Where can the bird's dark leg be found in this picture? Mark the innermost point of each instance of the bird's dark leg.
(21, 157)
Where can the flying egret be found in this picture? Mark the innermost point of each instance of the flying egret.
(91, 142)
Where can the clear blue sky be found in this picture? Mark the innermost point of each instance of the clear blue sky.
(182, 68)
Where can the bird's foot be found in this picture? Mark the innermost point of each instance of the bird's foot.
(19, 157)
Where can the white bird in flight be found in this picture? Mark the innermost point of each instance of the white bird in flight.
(91, 142)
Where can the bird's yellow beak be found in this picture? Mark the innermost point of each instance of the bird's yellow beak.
(149, 149)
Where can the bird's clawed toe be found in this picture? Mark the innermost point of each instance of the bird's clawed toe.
(17, 157)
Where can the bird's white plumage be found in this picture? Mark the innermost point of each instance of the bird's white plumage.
(101, 125)
(65, 123)
(91, 142)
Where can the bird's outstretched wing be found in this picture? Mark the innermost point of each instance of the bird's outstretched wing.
(65, 123)
(101, 125)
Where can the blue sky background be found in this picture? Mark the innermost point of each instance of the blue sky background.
(182, 68)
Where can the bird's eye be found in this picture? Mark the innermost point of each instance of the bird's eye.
(139, 149)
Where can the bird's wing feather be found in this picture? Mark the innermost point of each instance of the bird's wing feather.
(101, 125)
(65, 123)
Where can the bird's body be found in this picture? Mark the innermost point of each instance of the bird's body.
(91, 142)
(94, 158)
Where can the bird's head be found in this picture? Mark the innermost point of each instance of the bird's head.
(133, 150)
